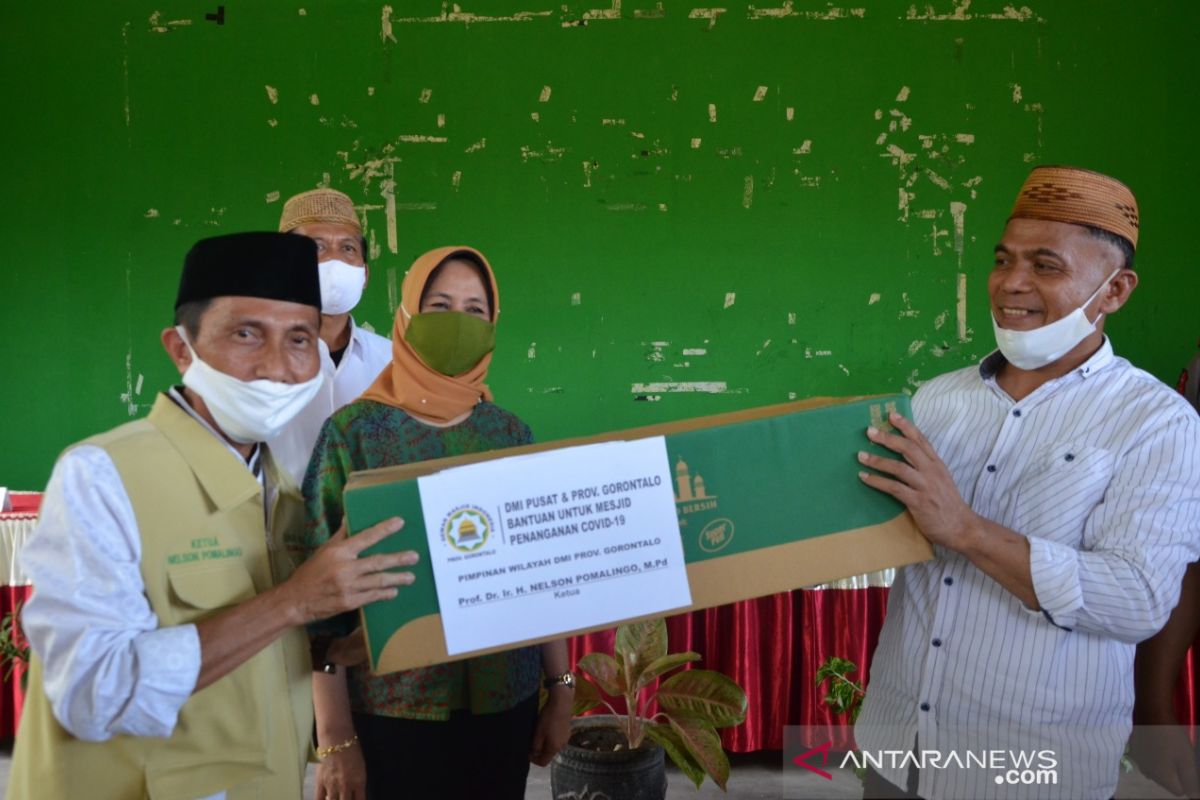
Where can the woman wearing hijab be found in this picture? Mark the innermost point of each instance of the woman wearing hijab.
(468, 728)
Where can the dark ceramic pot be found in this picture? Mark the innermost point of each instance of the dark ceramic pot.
(597, 764)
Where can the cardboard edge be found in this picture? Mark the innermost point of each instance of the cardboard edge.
(364, 478)
(895, 543)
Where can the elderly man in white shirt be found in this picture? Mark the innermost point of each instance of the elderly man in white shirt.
(351, 356)
(1060, 486)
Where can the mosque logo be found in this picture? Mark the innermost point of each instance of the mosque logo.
(467, 529)
(692, 497)
(879, 416)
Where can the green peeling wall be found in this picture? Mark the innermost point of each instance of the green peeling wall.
(690, 209)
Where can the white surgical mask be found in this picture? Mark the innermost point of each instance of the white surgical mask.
(247, 411)
(1045, 345)
(341, 286)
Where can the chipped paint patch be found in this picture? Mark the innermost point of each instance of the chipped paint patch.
(626, 206)
(441, 120)
(710, 14)
(789, 113)
(915, 347)
(696, 143)
(960, 307)
(535, 116)
(385, 25)
(940, 320)
(730, 299)
(426, 96)
(456, 179)
(695, 351)
(612, 122)
(370, 91)
(475, 148)
(961, 13)
(453, 13)
(576, 298)
(902, 95)
(791, 318)
(1016, 92)
(873, 299)
(314, 99)
(958, 212)
(421, 138)
(531, 353)
(804, 149)
(272, 197)
(151, 213)
(272, 94)
(544, 97)
(387, 189)
(760, 94)
(712, 112)
(393, 292)
(843, 368)
(788, 10)
(707, 387)
(748, 192)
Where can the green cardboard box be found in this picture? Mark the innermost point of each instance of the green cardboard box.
(767, 500)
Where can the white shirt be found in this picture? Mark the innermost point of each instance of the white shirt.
(365, 357)
(1100, 470)
(109, 668)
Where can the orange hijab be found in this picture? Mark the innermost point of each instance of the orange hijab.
(408, 383)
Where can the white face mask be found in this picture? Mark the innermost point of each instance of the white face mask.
(1045, 345)
(341, 286)
(247, 411)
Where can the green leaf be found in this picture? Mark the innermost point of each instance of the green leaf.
(640, 643)
(607, 673)
(587, 697)
(673, 744)
(665, 664)
(705, 693)
(702, 743)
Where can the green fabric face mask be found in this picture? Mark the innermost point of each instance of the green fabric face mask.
(449, 341)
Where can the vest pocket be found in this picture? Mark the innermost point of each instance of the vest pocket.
(210, 586)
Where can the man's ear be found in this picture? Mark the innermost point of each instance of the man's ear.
(177, 349)
(1118, 291)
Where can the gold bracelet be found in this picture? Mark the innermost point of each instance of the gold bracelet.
(325, 752)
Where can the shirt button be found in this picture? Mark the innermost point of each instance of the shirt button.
(936, 642)
(1016, 412)
(948, 581)
(991, 467)
(924, 706)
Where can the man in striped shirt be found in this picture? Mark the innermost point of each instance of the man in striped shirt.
(1060, 486)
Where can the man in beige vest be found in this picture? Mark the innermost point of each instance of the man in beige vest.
(169, 656)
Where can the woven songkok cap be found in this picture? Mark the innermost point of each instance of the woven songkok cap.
(319, 205)
(1080, 197)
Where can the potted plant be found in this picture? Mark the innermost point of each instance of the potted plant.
(621, 755)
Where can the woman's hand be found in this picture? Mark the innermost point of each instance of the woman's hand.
(348, 651)
(342, 776)
(553, 726)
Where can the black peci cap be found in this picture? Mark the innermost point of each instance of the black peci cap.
(274, 266)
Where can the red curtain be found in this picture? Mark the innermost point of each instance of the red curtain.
(11, 695)
(772, 647)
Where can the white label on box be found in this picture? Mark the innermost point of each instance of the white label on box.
(552, 542)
